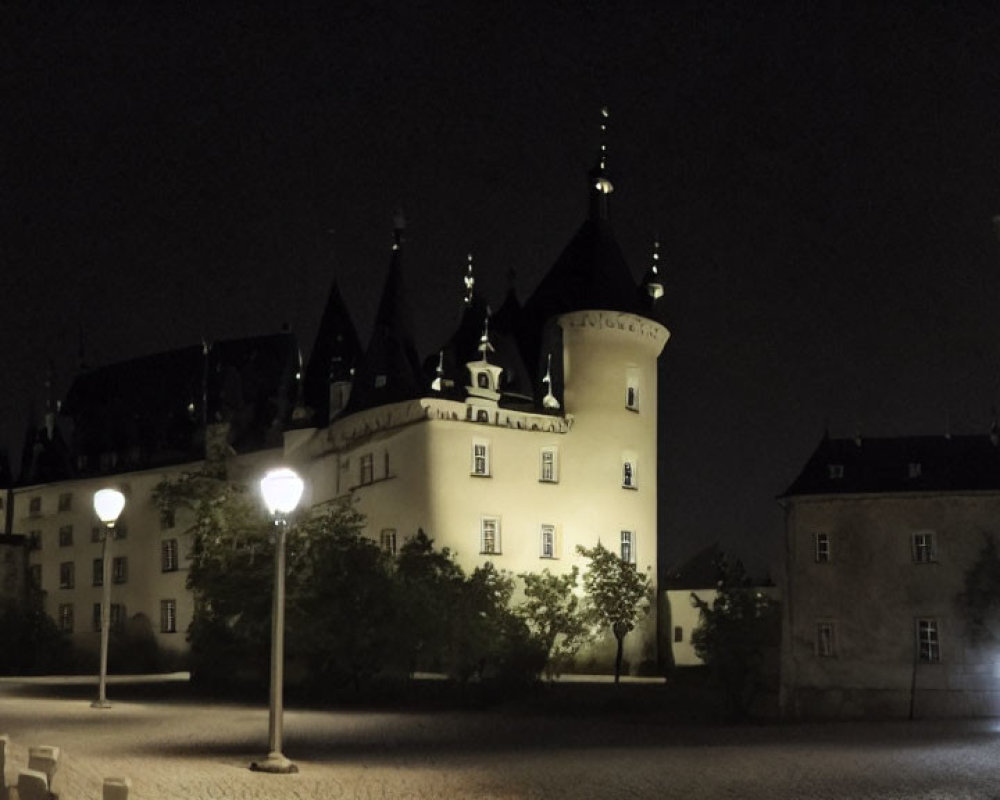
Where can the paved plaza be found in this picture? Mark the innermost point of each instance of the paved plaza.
(174, 747)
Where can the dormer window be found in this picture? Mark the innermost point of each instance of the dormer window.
(483, 380)
(835, 471)
(915, 469)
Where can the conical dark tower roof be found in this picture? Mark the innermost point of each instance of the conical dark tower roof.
(390, 370)
(335, 353)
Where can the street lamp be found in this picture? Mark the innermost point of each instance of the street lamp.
(282, 490)
(108, 503)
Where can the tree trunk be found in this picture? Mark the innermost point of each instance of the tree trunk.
(618, 657)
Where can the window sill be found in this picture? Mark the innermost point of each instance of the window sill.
(632, 488)
(480, 475)
(490, 553)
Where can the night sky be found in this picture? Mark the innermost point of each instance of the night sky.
(822, 177)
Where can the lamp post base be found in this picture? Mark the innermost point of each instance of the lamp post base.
(275, 763)
(100, 704)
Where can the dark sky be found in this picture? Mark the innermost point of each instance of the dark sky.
(822, 177)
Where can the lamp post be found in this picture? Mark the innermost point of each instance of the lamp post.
(282, 490)
(108, 503)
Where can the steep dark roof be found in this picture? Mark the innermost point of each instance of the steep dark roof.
(335, 352)
(151, 411)
(701, 571)
(903, 464)
(390, 370)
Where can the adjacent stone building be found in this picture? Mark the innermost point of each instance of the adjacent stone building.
(880, 535)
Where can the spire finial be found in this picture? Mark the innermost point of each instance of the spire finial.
(600, 183)
(484, 340)
(652, 282)
(398, 226)
(438, 373)
(604, 138)
(470, 281)
(549, 401)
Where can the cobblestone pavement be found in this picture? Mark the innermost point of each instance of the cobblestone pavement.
(173, 748)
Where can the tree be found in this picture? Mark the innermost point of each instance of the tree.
(551, 610)
(617, 595)
(732, 634)
(980, 599)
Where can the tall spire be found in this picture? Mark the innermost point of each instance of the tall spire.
(470, 282)
(600, 183)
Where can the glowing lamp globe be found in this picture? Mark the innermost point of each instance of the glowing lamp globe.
(282, 490)
(108, 503)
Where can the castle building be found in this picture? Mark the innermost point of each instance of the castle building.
(881, 537)
(527, 433)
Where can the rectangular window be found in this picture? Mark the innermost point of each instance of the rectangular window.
(35, 506)
(66, 575)
(632, 389)
(121, 532)
(628, 475)
(119, 569)
(678, 633)
(628, 546)
(117, 616)
(168, 555)
(367, 469)
(167, 519)
(548, 541)
(822, 548)
(385, 464)
(34, 540)
(915, 469)
(66, 536)
(35, 575)
(928, 646)
(923, 547)
(387, 540)
(98, 572)
(481, 458)
(97, 616)
(66, 617)
(835, 471)
(168, 616)
(65, 501)
(490, 535)
(96, 533)
(549, 472)
(826, 643)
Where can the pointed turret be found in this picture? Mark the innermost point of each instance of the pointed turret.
(390, 370)
(330, 372)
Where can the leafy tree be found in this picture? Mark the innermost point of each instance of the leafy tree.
(551, 610)
(617, 595)
(732, 634)
(342, 613)
(980, 599)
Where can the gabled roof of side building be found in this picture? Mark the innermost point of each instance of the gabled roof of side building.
(900, 464)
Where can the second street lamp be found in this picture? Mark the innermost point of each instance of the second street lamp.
(108, 503)
(282, 490)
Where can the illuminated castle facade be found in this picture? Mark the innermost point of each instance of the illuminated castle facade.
(529, 432)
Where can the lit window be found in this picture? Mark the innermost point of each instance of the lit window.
(387, 540)
(628, 475)
(549, 472)
(168, 616)
(66, 575)
(98, 578)
(367, 469)
(490, 535)
(119, 569)
(66, 536)
(35, 506)
(928, 645)
(66, 617)
(168, 555)
(835, 471)
(678, 633)
(481, 458)
(822, 548)
(923, 547)
(826, 643)
(65, 501)
(628, 546)
(915, 469)
(548, 541)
